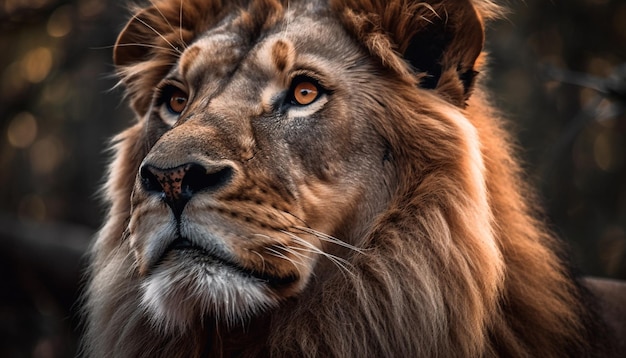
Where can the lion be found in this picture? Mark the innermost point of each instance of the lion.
(322, 178)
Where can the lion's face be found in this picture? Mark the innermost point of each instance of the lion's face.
(262, 162)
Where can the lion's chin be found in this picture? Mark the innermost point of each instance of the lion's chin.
(189, 286)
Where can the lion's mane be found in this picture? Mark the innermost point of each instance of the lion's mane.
(458, 264)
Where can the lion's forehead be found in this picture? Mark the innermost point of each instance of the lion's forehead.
(218, 52)
(298, 39)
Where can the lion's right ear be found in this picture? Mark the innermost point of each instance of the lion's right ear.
(439, 39)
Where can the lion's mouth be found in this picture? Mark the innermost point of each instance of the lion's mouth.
(184, 245)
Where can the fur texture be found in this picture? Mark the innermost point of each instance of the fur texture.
(387, 218)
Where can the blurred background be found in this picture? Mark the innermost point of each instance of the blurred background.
(557, 71)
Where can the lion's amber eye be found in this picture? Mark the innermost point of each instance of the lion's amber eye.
(177, 101)
(305, 93)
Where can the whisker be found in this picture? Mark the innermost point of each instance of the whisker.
(344, 266)
(162, 15)
(286, 258)
(329, 239)
(158, 33)
(340, 262)
(180, 26)
(295, 217)
(261, 257)
(174, 51)
(322, 236)
(296, 253)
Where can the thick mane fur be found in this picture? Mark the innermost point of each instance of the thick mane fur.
(459, 263)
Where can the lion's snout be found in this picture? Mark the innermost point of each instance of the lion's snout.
(177, 185)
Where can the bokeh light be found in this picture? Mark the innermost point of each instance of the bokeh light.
(606, 151)
(22, 130)
(36, 64)
(60, 22)
(46, 154)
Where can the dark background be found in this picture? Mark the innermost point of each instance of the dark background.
(555, 72)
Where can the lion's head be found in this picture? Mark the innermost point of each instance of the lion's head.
(317, 178)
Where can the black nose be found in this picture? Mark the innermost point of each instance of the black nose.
(178, 185)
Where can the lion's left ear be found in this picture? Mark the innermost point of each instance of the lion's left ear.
(440, 39)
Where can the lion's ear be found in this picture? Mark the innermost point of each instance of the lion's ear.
(447, 48)
(152, 41)
(440, 39)
(143, 53)
(133, 42)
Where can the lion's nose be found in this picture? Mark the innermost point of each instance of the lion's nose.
(178, 185)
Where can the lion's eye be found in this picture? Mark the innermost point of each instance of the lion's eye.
(304, 91)
(176, 101)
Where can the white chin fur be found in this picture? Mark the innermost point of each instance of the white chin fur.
(178, 295)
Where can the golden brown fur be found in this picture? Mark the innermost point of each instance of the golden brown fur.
(388, 218)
